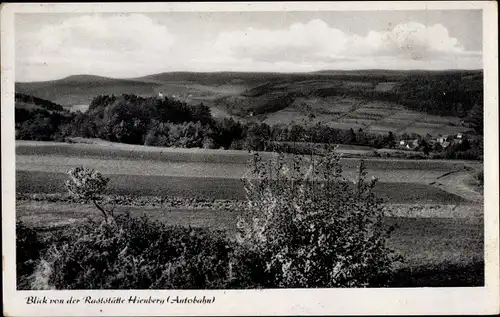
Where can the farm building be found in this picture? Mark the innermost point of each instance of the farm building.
(409, 144)
(448, 140)
(442, 139)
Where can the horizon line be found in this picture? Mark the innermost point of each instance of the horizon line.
(260, 72)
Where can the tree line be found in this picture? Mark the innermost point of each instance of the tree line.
(171, 123)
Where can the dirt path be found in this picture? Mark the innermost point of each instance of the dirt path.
(457, 183)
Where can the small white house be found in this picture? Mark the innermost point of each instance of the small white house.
(459, 136)
(442, 139)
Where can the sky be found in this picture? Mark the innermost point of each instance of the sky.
(51, 46)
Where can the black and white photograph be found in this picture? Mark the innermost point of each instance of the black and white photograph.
(247, 150)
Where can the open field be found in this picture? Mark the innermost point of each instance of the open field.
(118, 151)
(58, 164)
(217, 188)
(369, 115)
(137, 170)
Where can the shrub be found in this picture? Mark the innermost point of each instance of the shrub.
(150, 138)
(28, 249)
(136, 253)
(88, 185)
(310, 228)
(208, 143)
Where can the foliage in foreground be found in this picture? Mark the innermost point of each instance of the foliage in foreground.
(134, 253)
(29, 247)
(312, 228)
(301, 228)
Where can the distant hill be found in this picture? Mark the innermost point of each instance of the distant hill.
(81, 89)
(374, 100)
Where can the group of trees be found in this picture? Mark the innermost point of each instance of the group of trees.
(39, 119)
(260, 136)
(167, 122)
(150, 121)
(447, 94)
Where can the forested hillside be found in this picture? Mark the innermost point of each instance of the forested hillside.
(166, 122)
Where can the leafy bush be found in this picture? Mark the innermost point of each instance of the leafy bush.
(88, 185)
(135, 253)
(28, 250)
(208, 143)
(310, 228)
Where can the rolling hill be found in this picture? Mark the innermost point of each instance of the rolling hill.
(81, 89)
(373, 100)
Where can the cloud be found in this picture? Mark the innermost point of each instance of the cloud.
(315, 41)
(112, 44)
